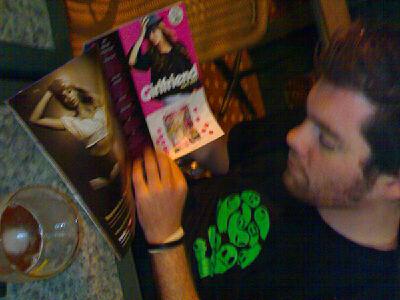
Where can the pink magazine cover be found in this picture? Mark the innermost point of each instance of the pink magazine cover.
(164, 69)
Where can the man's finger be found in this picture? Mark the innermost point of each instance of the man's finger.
(138, 177)
(177, 176)
(164, 167)
(151, 167)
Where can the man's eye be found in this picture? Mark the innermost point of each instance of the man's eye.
(327, 142)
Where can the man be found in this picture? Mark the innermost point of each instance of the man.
(343, 160)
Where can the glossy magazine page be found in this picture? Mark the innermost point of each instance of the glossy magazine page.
(71, 116)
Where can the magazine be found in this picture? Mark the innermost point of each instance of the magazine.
(159, 53)
(133, 87)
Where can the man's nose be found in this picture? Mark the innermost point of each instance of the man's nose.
(299, 138)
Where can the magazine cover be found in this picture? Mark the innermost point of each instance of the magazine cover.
(159, 54)
(70, 114)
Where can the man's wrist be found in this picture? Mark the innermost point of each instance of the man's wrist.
(159, 248)
(173, 240)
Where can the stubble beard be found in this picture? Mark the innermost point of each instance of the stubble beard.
(326, 192)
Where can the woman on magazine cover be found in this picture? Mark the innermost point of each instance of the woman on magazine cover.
(85, 119)
(164, 57)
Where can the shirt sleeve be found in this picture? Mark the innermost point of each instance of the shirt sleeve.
(143, 61)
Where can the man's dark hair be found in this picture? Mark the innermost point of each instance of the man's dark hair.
(367, 60)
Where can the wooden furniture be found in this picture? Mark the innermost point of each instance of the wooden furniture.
(218, 26)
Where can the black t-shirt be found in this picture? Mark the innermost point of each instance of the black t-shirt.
(296, 255)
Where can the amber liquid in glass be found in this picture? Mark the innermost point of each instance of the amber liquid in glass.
(18, 220)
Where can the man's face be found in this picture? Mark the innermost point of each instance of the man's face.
(327, 151)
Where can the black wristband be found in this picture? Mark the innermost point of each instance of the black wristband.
(155, 248)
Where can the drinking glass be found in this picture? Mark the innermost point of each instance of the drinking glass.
(39, 234)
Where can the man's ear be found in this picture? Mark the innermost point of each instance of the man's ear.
(391, 186)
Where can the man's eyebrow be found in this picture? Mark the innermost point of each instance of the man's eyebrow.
(324, 127)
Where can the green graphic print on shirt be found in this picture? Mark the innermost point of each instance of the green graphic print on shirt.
(241, 221)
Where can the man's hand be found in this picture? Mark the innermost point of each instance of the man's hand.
(160, 190)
